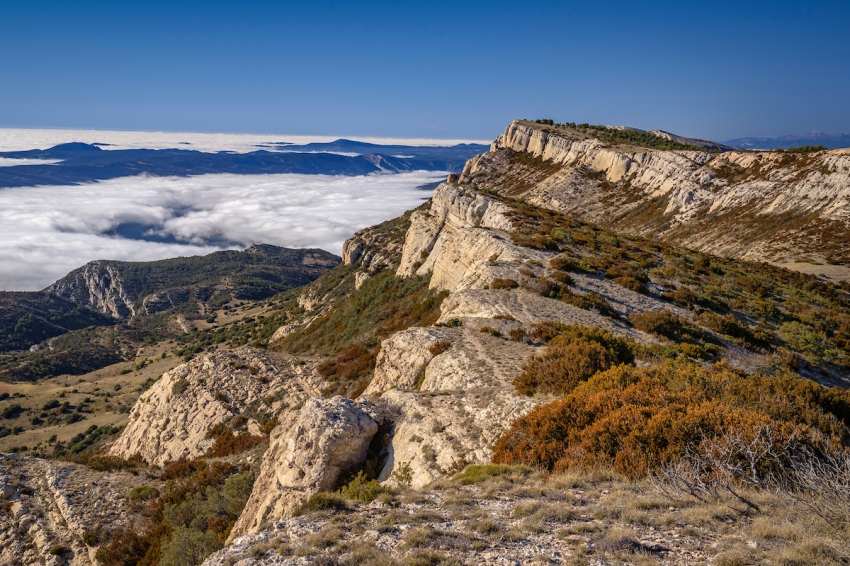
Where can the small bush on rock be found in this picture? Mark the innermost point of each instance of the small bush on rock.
(143, 493)
(504, 284)
(322, 501)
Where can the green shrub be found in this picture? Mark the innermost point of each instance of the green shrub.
(58, 549)
(179, 386)
(479, 473)
(565, 263)
(322, 501)
(361, 489)
(730, 326)
(143, 493)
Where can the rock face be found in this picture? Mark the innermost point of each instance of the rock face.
(171, 419)
(98, 285)
(798, 203)
(53, 504)
(309, 450)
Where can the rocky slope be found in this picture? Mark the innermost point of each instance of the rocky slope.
(449, 385)
(768, 206)
(50, 508)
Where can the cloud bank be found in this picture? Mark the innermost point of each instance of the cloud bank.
(48, 231)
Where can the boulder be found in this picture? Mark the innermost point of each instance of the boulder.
(309, 451)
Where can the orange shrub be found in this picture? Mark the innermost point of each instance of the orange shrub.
(439, 347)
(632, 284)
(560, 369)
(636, 419)
(575, 353)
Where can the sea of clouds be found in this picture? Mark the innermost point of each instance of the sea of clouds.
(45, 232)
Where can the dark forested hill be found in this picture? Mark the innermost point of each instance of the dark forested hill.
(81, 163)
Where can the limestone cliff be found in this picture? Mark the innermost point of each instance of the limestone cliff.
(763, 206)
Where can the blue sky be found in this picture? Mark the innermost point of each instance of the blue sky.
(425, 69)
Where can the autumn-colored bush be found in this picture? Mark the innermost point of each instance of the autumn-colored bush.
(268, 426)
(591, 302)
(682, 296)
(504, 284)
(636, 419)
(577, 353)
(632, 284)
(560, 369)
(562, 277)
(565, 263)
(439, 347)
(349, 371)
(668, 325)
(545, 331)
(227, 443)
(517, 334)
(617, 271)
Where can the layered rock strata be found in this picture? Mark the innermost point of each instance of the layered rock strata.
(707, 201)
(171, 420)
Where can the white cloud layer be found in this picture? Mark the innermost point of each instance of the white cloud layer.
(17, 139)
(46, 232)
(11, 162)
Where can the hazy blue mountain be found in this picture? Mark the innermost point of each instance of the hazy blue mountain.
(784, 142)
(87, 162)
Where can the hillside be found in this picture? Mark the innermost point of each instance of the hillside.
(781, 207)
(125, 289)
(101, 313)
(481, 379)
(30, 318)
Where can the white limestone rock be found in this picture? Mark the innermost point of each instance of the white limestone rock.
(171, 419)
(309, 450)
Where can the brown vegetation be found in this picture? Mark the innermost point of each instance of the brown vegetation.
(637, 419)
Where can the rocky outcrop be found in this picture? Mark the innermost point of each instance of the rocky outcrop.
(125, 289)
(778, 207)
(403, 359)
(308, 452)
(164, 300)
(441, 432)
(172, 418)
(98, 285)
(371, 250)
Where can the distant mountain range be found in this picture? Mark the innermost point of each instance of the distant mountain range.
(81, 163)
(784, 142)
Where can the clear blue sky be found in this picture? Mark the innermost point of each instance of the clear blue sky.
(425, 69)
